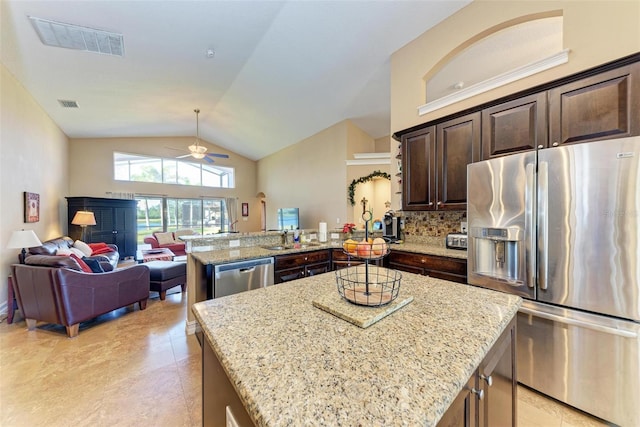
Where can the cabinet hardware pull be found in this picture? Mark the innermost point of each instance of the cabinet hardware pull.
(555, 144)
(480, 393)
(439, 203)
(488, 379)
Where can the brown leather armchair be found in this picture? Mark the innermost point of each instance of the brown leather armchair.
(67, 297)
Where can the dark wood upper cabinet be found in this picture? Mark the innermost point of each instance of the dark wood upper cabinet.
(458, 144)
(514, 126)
(419, 169)
(603, 106)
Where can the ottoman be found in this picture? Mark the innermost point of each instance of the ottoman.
(166, 275)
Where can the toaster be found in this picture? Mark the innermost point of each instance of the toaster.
(457, 241)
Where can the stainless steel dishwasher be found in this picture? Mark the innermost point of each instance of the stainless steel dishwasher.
(236, 277)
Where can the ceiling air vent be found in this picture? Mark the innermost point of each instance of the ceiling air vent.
(68, 104)
(76, 37)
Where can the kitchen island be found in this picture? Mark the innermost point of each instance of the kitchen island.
(290, 363)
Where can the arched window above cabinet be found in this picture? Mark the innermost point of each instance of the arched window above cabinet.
(495, 57)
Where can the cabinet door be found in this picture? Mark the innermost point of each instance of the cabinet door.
(125, 231)
(603, 106)
(281, 276)
(514, 126)
(418, 167)
(314, 269)
(458, 144)
(463, 410)
(497, 380)
(105, 225)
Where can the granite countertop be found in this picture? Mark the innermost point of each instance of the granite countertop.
(221, 256)
(292, 363)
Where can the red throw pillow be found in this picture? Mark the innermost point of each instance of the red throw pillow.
(96, 246)
(101, 251)
(83, 265)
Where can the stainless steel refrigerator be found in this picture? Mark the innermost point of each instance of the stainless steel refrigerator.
(560, 227)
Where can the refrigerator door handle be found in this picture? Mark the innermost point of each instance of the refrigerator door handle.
(543, 223)
(530, 237)
(579, 323)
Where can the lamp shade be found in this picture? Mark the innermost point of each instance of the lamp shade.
(23, 239)
(83, 218)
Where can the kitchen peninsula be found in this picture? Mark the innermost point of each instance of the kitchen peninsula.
(286, 362)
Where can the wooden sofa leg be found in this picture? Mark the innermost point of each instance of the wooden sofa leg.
(163, 295)
(143, 304)
(31, 324)
(72, 331)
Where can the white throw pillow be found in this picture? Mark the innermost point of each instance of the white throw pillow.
(164, 238)
(86, 250)
(61, 251)
(77, 251)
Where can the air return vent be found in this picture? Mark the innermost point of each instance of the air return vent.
(68, 104)
(76, 37)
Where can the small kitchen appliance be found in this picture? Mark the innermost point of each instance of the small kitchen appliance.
(391, 227)
(457, 241)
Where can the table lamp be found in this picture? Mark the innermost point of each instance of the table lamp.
(23, 239)
(83, 218)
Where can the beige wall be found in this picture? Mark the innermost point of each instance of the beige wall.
(91, 172)
(596, 32)
(310, 175)
(33, 158)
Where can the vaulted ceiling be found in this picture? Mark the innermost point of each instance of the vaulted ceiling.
(281, 72)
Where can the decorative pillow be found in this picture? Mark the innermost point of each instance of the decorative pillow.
(63, 252)
(183, 232)
(93, 264)
(164, 238)
(83, 265)
(77, 252)
(96, 246)
(101, 251)
(86, 250)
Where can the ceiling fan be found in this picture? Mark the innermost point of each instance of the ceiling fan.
(196, 150)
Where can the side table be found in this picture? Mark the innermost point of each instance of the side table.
(12, 304)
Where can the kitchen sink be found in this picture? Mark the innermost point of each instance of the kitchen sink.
(284, 247)
(277, 248)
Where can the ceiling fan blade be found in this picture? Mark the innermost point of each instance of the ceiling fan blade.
(183, 156)
(222, 156)
(208, 159)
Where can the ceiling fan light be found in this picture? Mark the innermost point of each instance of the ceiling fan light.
(197, 155)
(197, 149)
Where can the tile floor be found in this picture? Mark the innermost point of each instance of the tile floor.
(139, 368)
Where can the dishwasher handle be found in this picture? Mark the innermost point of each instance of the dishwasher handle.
(247, 270)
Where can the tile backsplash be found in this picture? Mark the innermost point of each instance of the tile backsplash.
(421, 224)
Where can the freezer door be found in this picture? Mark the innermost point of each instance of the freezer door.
(588, 233)
(501, 206)
(588, 361)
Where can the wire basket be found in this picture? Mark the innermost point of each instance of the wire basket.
(368, 285)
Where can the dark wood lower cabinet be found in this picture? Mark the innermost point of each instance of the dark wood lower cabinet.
(490, 396)
(298, 266)
(453, 269)
(220, 401)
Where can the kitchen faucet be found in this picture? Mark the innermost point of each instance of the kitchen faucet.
(284, 238)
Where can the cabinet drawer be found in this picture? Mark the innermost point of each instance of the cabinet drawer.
(295, 260)
(436, 266)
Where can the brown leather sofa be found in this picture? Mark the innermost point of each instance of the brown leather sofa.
(108, 261)
(57, 292)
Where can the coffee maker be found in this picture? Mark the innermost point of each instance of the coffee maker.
(391, 227)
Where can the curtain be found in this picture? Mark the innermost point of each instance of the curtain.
(231, 203)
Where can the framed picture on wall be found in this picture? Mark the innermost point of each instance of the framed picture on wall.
(31, 207)
(245, 209)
